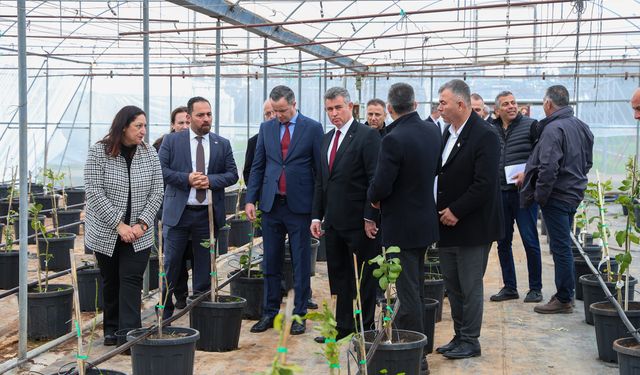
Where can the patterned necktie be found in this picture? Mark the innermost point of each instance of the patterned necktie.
(334, 149)
(201, 194)
(284, 146)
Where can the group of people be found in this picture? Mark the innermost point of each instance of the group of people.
(459, 179)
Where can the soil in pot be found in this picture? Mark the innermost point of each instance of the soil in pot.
(9, 269)
(628, 355)
(230, 201)
(173, 354)
(433, 287)
(58, 251)
(240, 232)
(90, 289)
(429, 321)
(30, 231)
(592, 292)
(66, 217)
(49, 314)
(609, 326)
(252, 290)
(581, 268)
(403, 355)
(218, 322)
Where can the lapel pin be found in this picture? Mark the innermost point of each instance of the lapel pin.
(216, 142)
(458, 144)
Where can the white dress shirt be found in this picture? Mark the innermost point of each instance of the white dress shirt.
(193, 143)
(448, 147)
(343, 132)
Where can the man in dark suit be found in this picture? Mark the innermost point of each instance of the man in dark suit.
(193, 162)
(403, 189)
(282, 177)
(267, 114)
(348, 162)
(376, 114)
(471, 216)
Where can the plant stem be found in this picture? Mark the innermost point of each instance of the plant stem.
(161, 280)
(358, 303)
(602, 228)
(212, 249)
(78, 314)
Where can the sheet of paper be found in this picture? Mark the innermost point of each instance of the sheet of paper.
(511, 170)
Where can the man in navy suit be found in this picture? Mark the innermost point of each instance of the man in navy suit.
(282, 177)
(193, 162)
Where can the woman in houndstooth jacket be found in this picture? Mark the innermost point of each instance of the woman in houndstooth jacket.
(123, 182)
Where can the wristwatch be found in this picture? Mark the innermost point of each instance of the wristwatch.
(143, 225)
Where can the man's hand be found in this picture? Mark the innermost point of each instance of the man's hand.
(448, 218)
(126, 233)
(316, 229)
(370, 229)
(519, 177)
(198, 180)
(250, 210)
(375, 205)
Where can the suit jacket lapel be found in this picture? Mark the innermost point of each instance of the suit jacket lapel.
(186, 151)
(345, 144)
(460, 142)
(324, 162)
(213, 151)
(297, 134)
(275, 137)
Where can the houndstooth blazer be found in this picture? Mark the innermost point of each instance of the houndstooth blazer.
(107, 188)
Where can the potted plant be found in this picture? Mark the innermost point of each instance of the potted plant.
(433, 286)
(628, 350)
(220, 319)
(55, 245)
(249, 284)
(282, 325)
(90, 288)
(240, 231)
(63, 216)
(401, 351)
(328, 330)
(9, 259)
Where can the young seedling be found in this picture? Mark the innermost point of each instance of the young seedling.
(596, 191)
(162, 280)
(357, 315)
(282, 324)
(328, 329)
(53, 178)
(80, 357)
(211, 245)
(387, 274)
(10, 219)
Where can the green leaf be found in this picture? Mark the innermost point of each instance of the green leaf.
(393, 250)
(621, 237)
(378, 260)
(383, 282)
(277, 322)
(377, 273)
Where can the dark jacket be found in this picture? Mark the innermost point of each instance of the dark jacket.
(382, 131)
(248, 158)
(468, 186)
(516, 144)
(403, 183)
(340, 196)
(560, 161)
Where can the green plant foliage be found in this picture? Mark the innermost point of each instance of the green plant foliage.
(328, 330)
(387, 273)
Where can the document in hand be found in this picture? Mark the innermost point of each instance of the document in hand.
(511, 170)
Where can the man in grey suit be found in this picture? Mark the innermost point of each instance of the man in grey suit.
(193, 162)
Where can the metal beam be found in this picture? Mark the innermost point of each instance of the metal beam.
(237, 15)
(145, 64)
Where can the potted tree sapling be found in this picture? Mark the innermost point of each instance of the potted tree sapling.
(250, 283)
(66, 217)
(57, 243)
(220, 319)
(401, 351)
(282, 325)
(328, 329)
(9, 259)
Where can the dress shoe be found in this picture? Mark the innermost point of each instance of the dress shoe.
(464, 350)
(554, 306)
(181, 304)
(450, 346)
(505, 294)
(263, 324)
(312, 305)
(110, 340)
(533, 296)
(298, 328)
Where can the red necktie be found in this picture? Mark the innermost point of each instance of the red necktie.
(334, 149)
(284, 146)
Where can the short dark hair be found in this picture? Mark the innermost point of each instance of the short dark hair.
(502, 94)
(434, 107)
(558, 95)
(124, 117)
(175, 112)
(476, 96)
(334, 92)
(280, 92)
(459, 88)
(401, 98)
(376, 101)
(192, 101)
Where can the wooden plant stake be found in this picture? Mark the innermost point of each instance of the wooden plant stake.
(288, 313)
(212, 249)
(161, 280)
(605, 231)
(358, 312)
(80, 358)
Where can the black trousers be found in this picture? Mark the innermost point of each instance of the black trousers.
(182, 288)
(341, 245)
(410, 290)
(122, 286)
(463, 269)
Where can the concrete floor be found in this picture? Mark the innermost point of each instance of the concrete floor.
(515, 340)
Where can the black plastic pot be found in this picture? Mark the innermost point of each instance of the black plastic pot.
(9, 269)
(71, 368)
(4, 208)
(75, 196)
(68, 217)
(58, 251)
(230, 200)
(90, 289)
(173, 354)
(315, 244)
(594, 252)
(403, 355)
(433, 287)
(223, 240)
(30, 231)
(592, 292)
(121, 338)
(240, 232)
(154, 268)
(49, 314)
(252, 290)
(46, 201)
(581, 268)
(609, 326)
(322, 251)
(4, 190)
(628, 355)
(218, 322)
(429, 321)
(37, 189)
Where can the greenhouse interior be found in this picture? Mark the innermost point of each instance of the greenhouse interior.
(358, 184)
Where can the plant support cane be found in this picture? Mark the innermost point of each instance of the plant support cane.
(212, 249)
(161, 279)
(80, 357)
(603, 228)
(362, 364)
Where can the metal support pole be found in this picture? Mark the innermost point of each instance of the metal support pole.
(90, 105)
(264, 71)
(46, 116)
(145, 63)
(248, 90)
(430, 91)
(217, 113)
(319, 91)
(324, 117)
(22, 105)
(170, 88)
(375, 83)
(299, 80)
